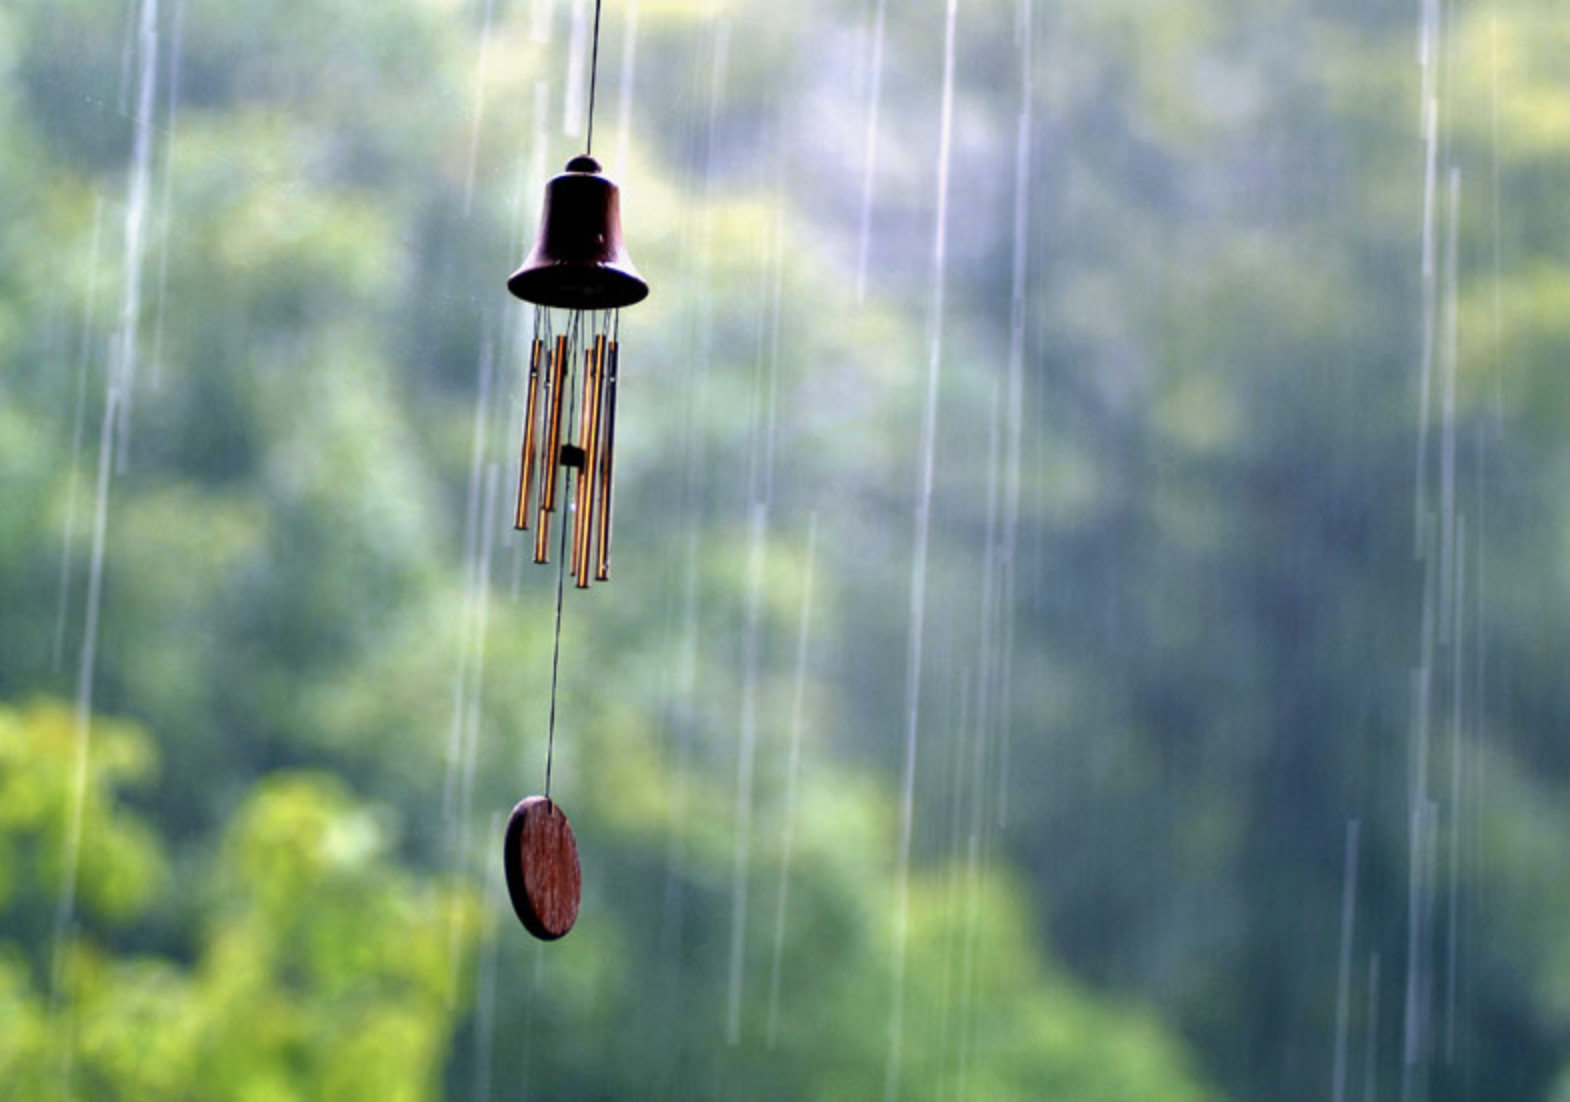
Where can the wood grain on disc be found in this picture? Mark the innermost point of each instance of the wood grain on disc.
(541, 859)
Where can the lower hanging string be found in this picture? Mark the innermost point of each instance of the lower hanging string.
(561, 585)
(574, 329)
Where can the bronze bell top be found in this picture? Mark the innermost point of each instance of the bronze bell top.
(579, 261)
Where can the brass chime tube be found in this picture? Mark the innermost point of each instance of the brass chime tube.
(550, 467)
(588, 426)
(542, 538)
(530, 417)
(602, 511)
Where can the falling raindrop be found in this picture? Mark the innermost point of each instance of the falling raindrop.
(792, 775)
(918, 571)
(83, 360)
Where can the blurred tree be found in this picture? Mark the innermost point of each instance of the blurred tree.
(321, 968)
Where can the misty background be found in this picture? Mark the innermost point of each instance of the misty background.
(1089, 588)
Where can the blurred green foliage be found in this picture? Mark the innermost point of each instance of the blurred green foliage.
(319, 967)
(316, 965)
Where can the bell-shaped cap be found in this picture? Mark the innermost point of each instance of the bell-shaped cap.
(579, 261)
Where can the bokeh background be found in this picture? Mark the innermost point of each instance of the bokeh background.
(1090, 592)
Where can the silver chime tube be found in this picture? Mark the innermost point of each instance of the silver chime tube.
(594, 360)
(530, 444)
(602, 512)
(550, 466)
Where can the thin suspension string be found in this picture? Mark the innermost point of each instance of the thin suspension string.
(574, 330)
(561, 578)
(594, 69)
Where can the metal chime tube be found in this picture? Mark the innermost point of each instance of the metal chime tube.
(530, 444)
(588, 424)
(551, 465)
(591, 522)
(602, 513)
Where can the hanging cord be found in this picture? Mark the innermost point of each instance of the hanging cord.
(594, 69)
(574, 330)
(561, 579)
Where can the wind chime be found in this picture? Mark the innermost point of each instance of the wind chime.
(578, 265)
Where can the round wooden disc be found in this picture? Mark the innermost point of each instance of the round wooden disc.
(541, 859)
